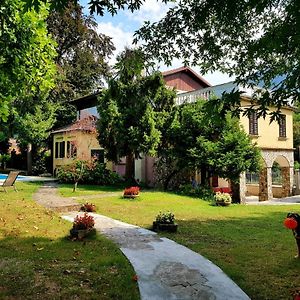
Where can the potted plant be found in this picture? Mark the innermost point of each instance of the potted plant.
(88, 207)
(82, 226)
(165, 222)
(131, 192)
(222, 199)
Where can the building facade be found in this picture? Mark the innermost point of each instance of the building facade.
(274, 139)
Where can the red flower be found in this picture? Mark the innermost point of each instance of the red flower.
(84, 222)
(290, 223)
(134, 190)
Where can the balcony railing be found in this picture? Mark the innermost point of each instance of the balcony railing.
(216, 90)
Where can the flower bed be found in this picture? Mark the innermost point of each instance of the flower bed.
(131, 192)
(82, 226)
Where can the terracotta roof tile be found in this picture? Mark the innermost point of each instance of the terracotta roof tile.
(88, 124)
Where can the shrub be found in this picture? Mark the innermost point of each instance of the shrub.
(83, 222)
(88, 172)
(88, 207)
(165, 218)
(222, 198)
(132, 191)
(203, 192)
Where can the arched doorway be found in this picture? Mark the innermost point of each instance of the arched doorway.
(281, 177)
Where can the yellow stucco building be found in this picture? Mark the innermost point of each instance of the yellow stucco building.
(274, 139)
(77, 141)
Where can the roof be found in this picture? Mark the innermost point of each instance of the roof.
(86, 101)
(189, 71)
(86, 124)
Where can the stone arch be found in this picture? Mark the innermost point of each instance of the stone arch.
(265, 181)
(285, 169)
(285, 159)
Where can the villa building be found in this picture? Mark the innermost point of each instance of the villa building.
(274, 139)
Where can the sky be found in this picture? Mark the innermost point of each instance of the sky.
(122, 26)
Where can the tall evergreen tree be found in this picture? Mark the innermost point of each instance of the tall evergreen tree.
(129, 111)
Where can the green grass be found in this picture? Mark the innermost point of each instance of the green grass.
(38, 261)
(66, 190)
(248, 242)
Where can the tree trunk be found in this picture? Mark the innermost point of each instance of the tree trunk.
(29, 159)
(130, 168)
(168, 179)
(235, 187)
(204, 179)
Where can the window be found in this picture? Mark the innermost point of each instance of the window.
(253, 123)
(56, 149)
(98, 154)
(71, 149)
(282, 126)
(252, 178)
(59, 149)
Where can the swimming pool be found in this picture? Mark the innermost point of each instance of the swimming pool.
(20, 177)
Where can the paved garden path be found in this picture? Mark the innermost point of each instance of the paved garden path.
(165, 269)
(48, 196)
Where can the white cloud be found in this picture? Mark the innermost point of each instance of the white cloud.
(120, 37)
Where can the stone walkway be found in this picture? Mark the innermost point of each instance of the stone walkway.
(47, 196)
(293, 200)
(165, 269)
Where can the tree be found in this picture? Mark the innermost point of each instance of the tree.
(81, 60)
(197, 138)
(98, 6)
(129, 111)
(257, 41)
(27, 69)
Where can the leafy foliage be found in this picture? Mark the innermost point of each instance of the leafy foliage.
(197, 139)
(165, 218)
(221, 198)
(201, 191)
(96, 6)
(130, 110)
(256, 41)
(83, 222)
(27, 69)
(81, 60)
(89, 172)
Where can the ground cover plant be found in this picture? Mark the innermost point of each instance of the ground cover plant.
(249, 243)
(37, 261)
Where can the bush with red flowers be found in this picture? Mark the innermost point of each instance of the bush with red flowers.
(132, 191)
(88, 207)
(83, 222)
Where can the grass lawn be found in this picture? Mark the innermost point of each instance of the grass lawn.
(37, 261)
(66, 190)
(248, 242)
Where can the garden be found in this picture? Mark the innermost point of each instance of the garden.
(249, 243)
(39, 261)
